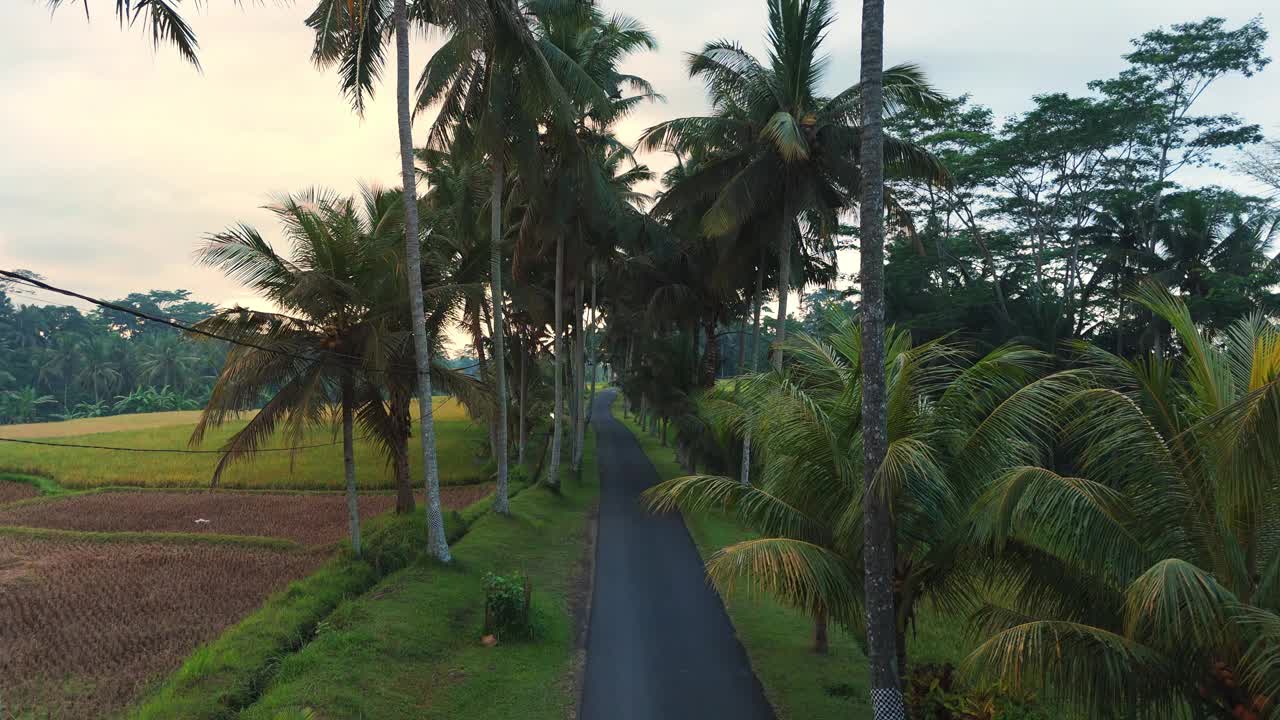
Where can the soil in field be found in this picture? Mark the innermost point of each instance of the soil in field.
(11, 491)
(85, 627)
(309, 519)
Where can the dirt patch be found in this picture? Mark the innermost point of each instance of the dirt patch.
(85, 627)
(310, 519)
(11, 491)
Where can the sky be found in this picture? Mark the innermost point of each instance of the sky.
(117, 159)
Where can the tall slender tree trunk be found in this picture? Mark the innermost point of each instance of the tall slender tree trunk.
(349, 459)
(501, 503)
(742, 356)
(595, 351)
(711, 353)
(557, 420)
(878, 540)
(784, 288)
(821, 643)
(580, 384)
(755, 362)
(524, 391)
(402, 424)
(437, 542)
(482, 365)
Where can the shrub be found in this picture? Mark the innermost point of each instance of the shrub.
(508, 611)
(935, 693)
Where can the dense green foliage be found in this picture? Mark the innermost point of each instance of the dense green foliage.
(1082, 386)
(58, 363)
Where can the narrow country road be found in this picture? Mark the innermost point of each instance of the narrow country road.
(660, 645)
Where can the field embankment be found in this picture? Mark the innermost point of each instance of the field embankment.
(410, 647)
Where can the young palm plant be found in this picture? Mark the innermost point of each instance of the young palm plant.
(951, 424)
(1149, 535)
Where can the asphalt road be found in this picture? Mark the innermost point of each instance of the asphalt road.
(660, 646)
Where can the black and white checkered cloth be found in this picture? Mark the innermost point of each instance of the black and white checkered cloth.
(887, 704)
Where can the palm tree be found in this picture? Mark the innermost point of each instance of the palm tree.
(776, 150)
(162, 22)
(952, 424)
(1149, 516)
(779, 151)
(315, 348)
(166, 360)
(499, 83)
(23, 405)
(878, 530)
(353, 35)
(100, 366)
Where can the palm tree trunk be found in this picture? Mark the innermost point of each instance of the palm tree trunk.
(784, 289)
(878, 540)
(821, 644)
(755, 363)
(524, 390)
(580, 378)
(402, 424)
(742, 356)
(500, 500)
(349, 459)
(482, 365)
(557, 417)
(711, 353)
(437, 543)
(595, 352)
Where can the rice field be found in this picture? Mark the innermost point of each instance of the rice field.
(127, 565)
(85, 627)
(307, 519)
(461, 447)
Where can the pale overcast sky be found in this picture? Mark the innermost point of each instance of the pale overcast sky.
(115, 160)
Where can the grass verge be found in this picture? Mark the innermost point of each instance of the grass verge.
(778, 640)
(223, 678)
(410, 647)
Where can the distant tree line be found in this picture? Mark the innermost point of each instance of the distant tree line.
(57, 362)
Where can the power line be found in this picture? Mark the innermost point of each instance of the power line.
(172, 451)
(171, 322)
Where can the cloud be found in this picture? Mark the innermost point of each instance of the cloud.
(116, 160)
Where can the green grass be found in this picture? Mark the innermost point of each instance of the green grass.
(223, 677)
(461, 445)
(410, 646)
(799, 683)
(44, 485)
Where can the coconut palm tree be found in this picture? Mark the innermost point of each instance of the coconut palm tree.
(167, 360)
(354, 35)
(161, 21)
(778, 149)
(316, 348)
(953, 422)
(878, 528)
(1151, 518)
